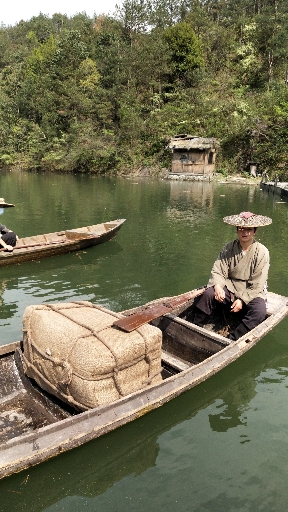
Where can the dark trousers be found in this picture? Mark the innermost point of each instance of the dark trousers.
(253, 313)
(9, 238)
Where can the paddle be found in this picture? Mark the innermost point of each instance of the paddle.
(132, 322)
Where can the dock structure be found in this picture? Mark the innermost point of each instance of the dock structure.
(275, 187)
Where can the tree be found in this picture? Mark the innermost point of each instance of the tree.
(185, 49)
(271, 39)
(133, 14)
(166, 13)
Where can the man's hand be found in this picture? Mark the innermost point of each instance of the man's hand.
(236, 306)
(219, 293)
(9, 248)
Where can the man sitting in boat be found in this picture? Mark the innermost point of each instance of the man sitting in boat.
(8, 238)
(238, 277)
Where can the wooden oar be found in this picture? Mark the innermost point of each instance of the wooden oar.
(132, 322)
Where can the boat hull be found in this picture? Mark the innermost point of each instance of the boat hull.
(42, 249)
(34, 447)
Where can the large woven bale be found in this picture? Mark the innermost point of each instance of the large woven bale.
(73, 352)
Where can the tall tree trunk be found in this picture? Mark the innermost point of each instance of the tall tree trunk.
(270, 66)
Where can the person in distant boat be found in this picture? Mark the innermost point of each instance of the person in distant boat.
(238, 277)
(8, 238)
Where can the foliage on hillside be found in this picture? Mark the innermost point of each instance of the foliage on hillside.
(105, 94)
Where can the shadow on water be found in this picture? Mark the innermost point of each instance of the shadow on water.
(85, 257)
(93, 468)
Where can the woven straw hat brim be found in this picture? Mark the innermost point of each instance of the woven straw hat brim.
(3, 203)
(255, 221)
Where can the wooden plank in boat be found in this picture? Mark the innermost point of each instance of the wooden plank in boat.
(73, 234)
(30, 240)
(186, 340)
(100, 228)
(108, 225)
(11, 347)
(175, 362)
(191, 335)
(21, 241)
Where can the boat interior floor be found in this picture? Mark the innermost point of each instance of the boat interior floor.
(23, 407)
(184, 344)
(222, 321)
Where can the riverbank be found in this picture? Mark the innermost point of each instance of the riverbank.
(217, 177)
(153, 172)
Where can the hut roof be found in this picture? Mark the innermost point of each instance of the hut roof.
(185, 141)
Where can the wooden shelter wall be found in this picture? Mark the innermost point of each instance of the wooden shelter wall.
(193, 162)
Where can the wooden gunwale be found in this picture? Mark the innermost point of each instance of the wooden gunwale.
(35, 447)
(38, 249)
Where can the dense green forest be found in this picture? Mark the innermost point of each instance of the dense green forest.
(106, 94)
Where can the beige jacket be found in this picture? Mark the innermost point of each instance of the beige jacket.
(244, 275)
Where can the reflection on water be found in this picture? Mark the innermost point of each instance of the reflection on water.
(225, 416)
(229, 412)
(191, 205)
(222, 445)
(2, 288)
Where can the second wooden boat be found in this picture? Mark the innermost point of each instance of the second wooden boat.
(35, 426)
(60, 242)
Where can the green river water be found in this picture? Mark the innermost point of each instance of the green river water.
(222, 446)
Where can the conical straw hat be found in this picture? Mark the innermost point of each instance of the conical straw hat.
(248, 219)
(3, 203)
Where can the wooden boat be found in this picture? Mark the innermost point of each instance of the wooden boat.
(34, 426)
(42, 246)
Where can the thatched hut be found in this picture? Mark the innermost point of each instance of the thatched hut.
(193, 155)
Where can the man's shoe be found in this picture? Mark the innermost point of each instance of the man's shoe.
(238, 332)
